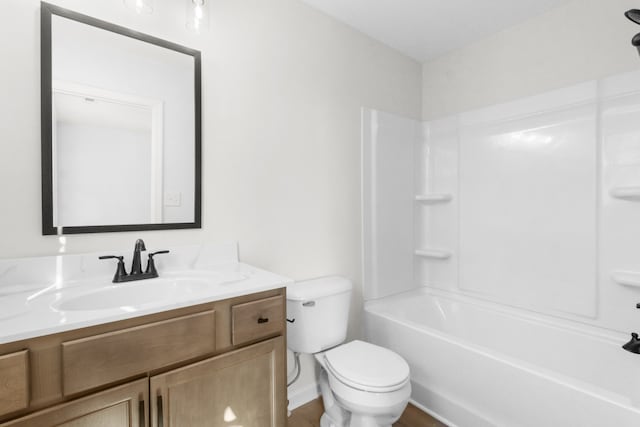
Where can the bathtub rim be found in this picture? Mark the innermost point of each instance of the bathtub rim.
(609, 336)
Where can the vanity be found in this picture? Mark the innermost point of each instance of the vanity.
(208, 348)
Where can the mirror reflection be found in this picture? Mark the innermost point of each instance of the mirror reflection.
(124, 137)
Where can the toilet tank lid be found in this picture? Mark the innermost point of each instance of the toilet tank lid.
(305, 290)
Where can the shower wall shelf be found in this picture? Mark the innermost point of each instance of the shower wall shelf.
(434, 198)
(626, 278)
(626, 193)
(433, 254)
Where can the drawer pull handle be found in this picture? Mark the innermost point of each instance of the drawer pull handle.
(263, 319)
(160, 412)
(141, 412)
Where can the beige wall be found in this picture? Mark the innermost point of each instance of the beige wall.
(580, 41)
(282, 90)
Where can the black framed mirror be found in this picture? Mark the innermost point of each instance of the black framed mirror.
(121, 128)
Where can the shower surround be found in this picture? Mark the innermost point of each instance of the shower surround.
(528, 208)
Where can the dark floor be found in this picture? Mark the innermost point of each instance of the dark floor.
(309, 416)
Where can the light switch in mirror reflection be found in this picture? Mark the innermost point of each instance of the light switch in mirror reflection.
(122, 120)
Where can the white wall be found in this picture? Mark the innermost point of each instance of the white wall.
(283, 85)
(580, 41)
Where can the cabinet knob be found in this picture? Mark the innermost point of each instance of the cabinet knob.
(263, 319)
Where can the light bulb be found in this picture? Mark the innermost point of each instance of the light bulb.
(140, 6)
(197, 15)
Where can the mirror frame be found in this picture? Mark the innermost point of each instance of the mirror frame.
(46, 86)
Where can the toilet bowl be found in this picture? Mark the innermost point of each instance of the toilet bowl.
(367, 385)
(363, 385)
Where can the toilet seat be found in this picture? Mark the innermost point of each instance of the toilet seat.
(367, 367)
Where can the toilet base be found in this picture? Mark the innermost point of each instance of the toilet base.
(326, 421)
(365, 421)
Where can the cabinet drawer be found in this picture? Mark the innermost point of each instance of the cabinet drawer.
(102, 359)
(257, 319)
(14, 382)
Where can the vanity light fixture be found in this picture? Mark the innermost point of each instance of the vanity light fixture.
(197, 15)
(140, 6)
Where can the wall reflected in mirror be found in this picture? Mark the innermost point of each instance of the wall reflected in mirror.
(124, 129)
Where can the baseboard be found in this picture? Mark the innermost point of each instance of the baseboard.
(433, 414)
(299, 397)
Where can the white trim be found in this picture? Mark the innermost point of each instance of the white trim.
(303, 395)
(54, 164)
(157, 162)
(76, 89)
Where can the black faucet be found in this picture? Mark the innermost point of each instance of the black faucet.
(136, 265)
(634, 345)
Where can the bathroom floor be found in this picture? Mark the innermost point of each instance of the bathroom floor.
(309, 416)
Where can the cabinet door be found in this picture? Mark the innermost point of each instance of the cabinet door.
(124, 406)
(245, 387)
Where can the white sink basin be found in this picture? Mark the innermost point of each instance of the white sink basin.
(135, 295)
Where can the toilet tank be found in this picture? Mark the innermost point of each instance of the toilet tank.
(319, 309)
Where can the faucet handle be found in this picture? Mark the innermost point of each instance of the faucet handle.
(120, 270)
(151, 264)
(121, 258)
(158, 253)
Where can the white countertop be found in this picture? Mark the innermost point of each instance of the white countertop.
(37, 308)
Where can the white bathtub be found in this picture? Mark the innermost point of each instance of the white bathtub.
(474, 364)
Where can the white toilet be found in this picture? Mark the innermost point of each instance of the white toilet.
(363, 385)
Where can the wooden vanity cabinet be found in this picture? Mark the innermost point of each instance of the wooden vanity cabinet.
(216, 364)
(238, 388)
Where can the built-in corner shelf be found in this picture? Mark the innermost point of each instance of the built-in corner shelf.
(626, 278)
(434, 198)
(631, 194)
(433, 254)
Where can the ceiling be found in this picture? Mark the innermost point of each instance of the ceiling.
(425, 29)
